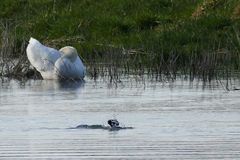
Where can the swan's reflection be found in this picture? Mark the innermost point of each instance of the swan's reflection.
(51, 85)
(70, 84)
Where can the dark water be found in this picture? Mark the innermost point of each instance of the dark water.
(178, 121)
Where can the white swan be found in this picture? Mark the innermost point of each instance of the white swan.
(54, 64)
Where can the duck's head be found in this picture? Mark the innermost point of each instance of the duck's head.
(113, 123)
(69, 52)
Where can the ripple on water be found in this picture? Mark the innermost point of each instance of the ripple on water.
(179, 122)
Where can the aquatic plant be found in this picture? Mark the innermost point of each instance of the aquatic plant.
(162, 38)
(236, 12)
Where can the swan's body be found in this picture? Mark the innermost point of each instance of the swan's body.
(54, 64)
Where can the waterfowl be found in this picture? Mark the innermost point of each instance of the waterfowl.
(114, 126)
(54, 64)
(113, 123)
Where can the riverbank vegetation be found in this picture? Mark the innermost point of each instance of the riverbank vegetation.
(197, 38)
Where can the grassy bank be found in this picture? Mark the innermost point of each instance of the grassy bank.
(194, 37)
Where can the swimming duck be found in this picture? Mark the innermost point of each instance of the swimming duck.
(113, 123)
(54, 64)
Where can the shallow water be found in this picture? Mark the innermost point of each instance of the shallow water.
(171, 121)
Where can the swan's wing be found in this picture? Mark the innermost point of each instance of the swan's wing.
(41, 57)
(64, 68)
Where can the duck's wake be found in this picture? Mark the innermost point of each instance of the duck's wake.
(114, 126)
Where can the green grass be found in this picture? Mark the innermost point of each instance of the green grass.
(165, 31)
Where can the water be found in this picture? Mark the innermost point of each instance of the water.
(177, 121)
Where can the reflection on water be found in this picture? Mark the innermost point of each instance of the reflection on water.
(49, 85)
(171, 120)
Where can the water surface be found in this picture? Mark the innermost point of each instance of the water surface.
(171, 121)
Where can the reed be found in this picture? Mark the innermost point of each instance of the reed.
(13, 59)
(163, 39)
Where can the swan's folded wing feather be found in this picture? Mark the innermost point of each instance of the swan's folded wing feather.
(41, 57)
(80, 67)
(64, 68)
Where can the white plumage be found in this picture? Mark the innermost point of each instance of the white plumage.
(54, 64)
